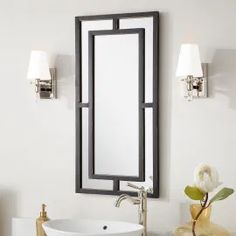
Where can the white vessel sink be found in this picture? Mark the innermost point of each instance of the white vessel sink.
(64, 227)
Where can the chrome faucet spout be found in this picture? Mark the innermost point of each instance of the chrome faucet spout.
(123, 197)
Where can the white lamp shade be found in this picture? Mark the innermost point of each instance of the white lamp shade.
(189, 63)
(38, 66)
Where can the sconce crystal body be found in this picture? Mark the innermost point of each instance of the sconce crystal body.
(46, 89)
(196, 87)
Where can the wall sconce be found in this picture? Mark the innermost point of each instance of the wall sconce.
(193, 72)
(41, 75)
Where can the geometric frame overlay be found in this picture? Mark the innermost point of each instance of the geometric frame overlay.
(80, 105)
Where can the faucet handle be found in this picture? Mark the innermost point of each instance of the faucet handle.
(135, 186)
(150, 189)
(142, 188)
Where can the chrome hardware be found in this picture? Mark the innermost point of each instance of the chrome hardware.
(196, 87)
(47, 89)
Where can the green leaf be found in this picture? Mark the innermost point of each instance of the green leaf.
(194, 193)
(222, 194)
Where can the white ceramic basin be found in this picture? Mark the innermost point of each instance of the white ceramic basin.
(71, 227)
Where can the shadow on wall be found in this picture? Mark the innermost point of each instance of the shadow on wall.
(7, 211)
(165, 100)
(222, 75)
(65, 65)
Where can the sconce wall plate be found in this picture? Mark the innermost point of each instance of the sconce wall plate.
(46, 89)
(196, 87)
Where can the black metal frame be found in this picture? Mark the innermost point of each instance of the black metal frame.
(90, 105)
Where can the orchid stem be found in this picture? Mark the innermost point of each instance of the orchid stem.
(204, 206)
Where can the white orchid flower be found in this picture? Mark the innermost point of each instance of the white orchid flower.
(206, 178)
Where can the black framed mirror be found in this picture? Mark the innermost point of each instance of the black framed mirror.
(117, 102)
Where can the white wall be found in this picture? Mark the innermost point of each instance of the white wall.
(37, 150)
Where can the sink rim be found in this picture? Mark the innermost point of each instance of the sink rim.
(46, 225)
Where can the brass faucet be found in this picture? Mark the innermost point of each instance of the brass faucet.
(141, 201)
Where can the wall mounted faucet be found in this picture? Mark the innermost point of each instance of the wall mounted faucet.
(141, 201)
